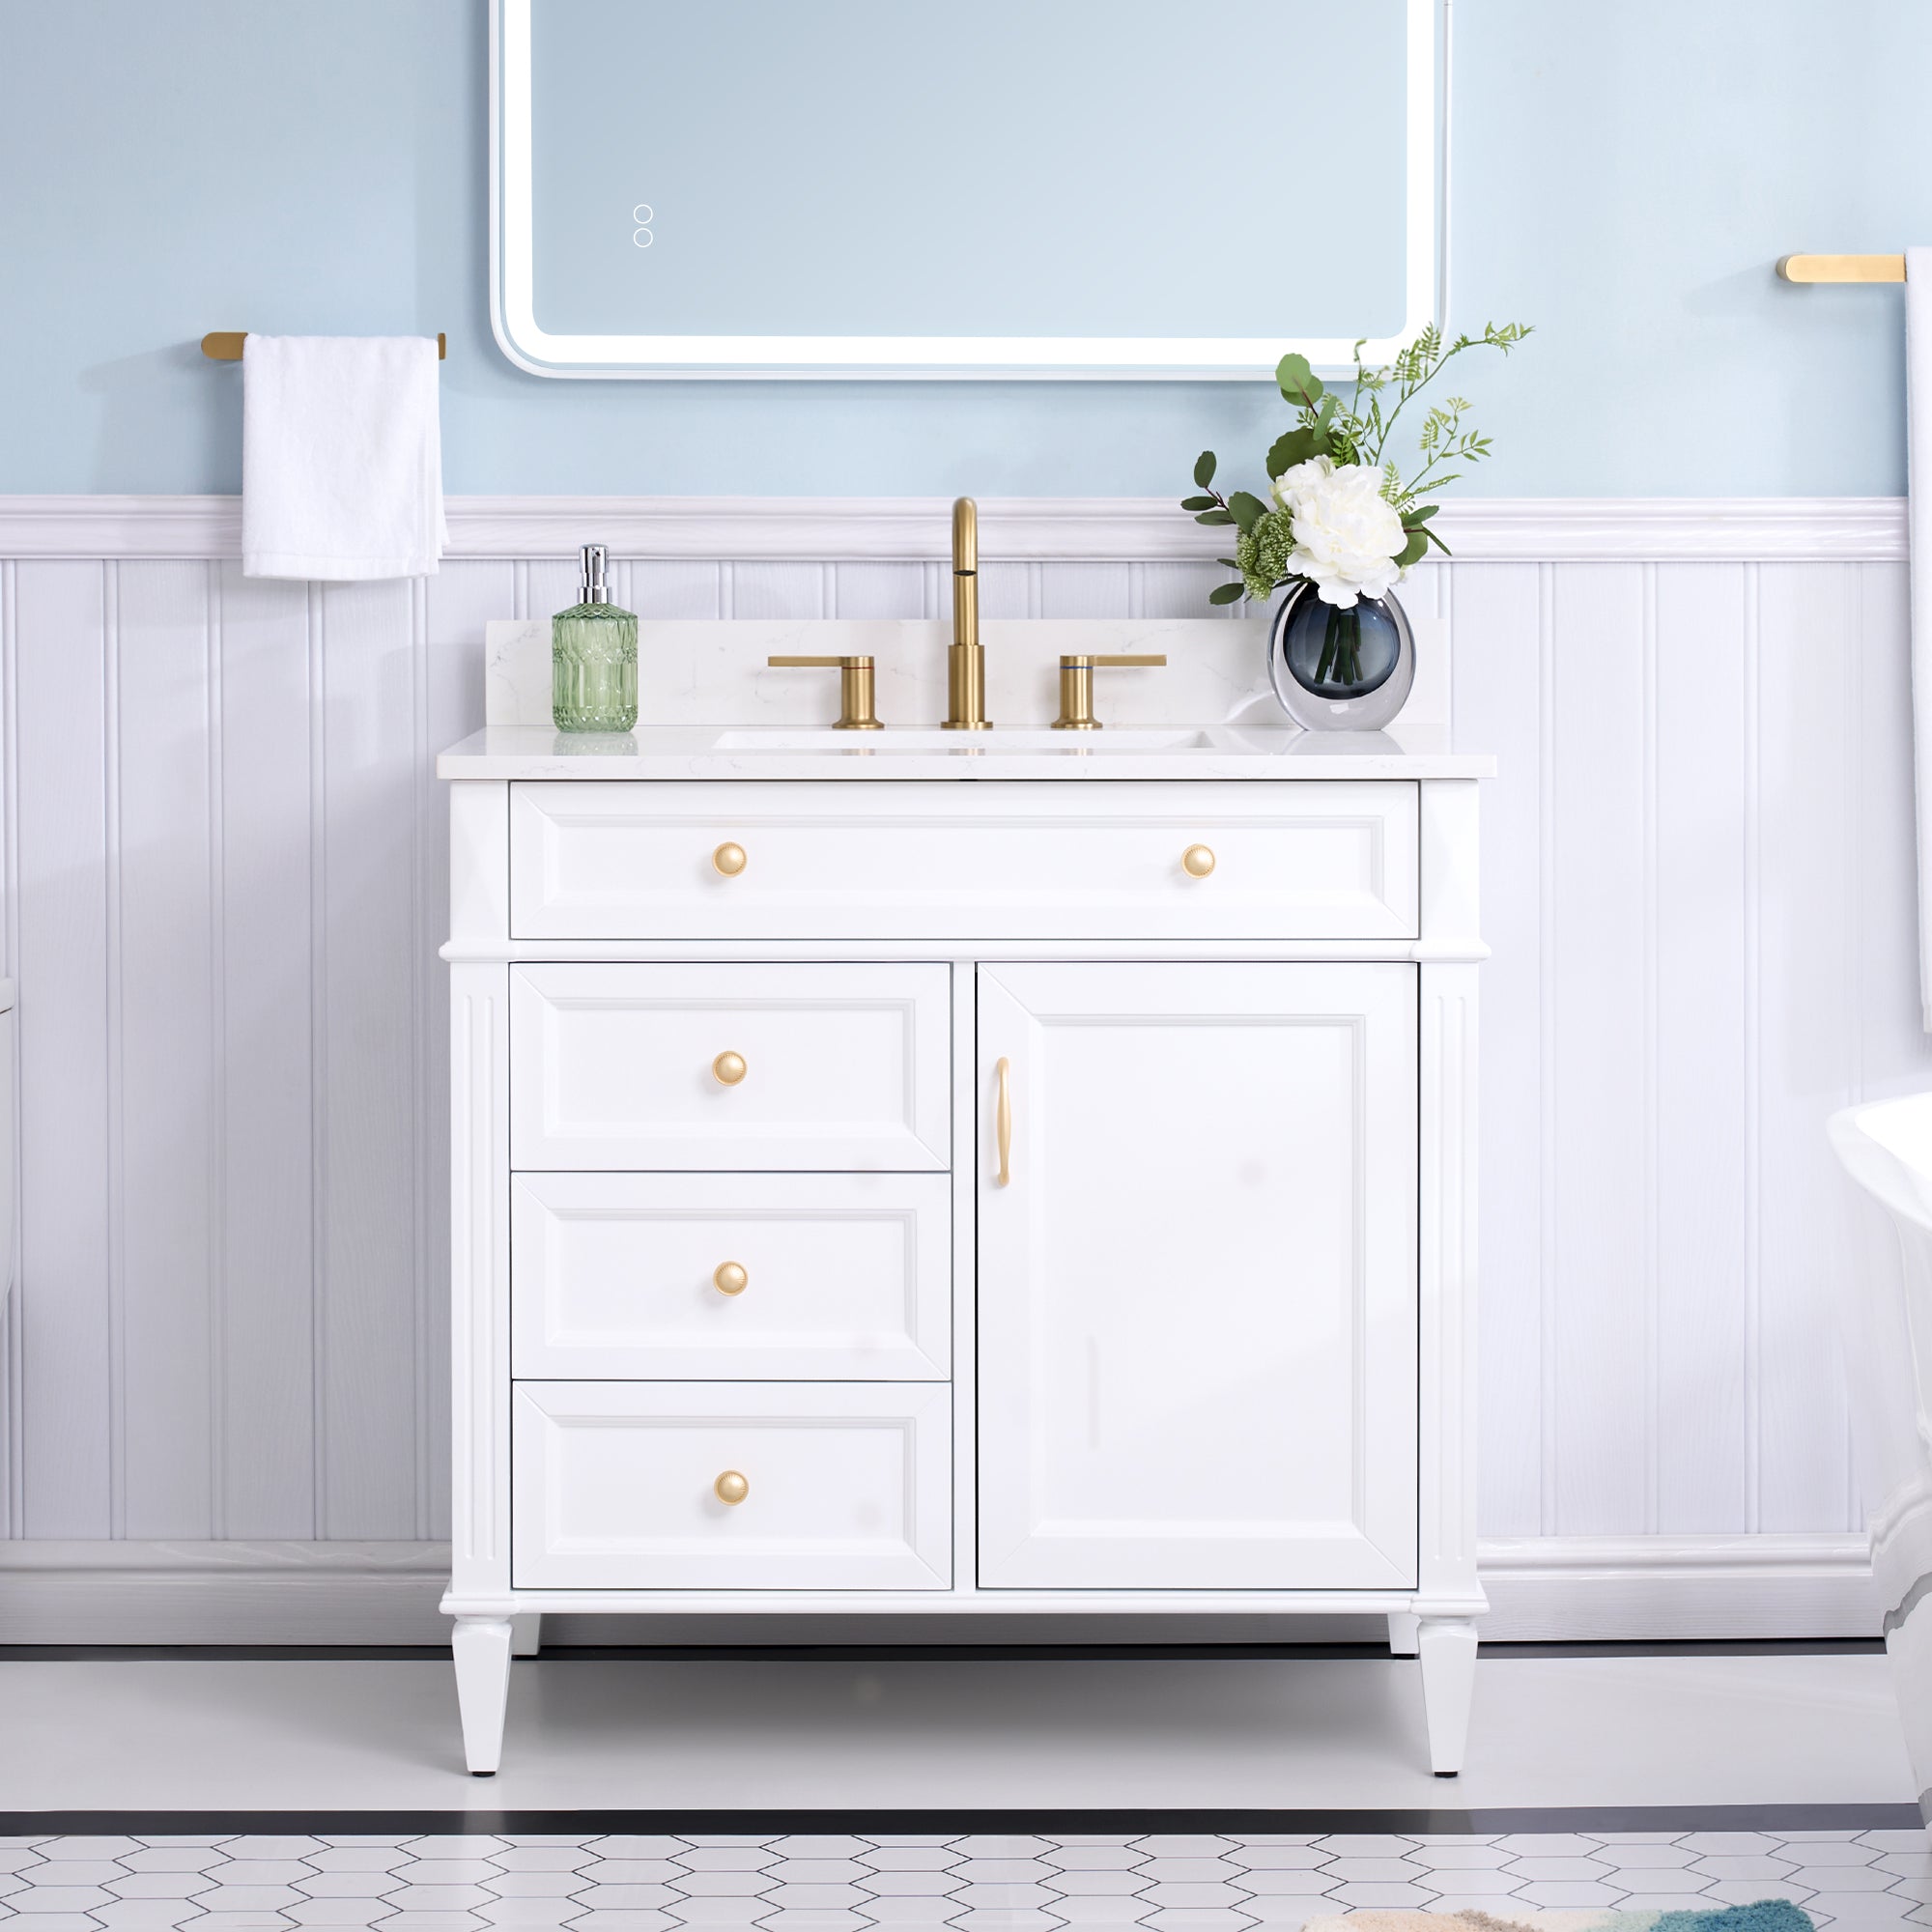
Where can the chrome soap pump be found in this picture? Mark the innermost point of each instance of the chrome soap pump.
(593, 657)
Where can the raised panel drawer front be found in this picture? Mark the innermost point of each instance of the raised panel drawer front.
(705, 1068)
(1051, 861)
(623, 1486)
(748, 1277)
(1197, 1288)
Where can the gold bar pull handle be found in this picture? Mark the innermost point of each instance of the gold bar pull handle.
(855, 687)
(1002, 1118)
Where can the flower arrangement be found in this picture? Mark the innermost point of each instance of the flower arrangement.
(1342, 519)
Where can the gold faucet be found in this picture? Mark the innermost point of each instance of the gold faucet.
(965, 659)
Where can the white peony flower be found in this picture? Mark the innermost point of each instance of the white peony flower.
(1347, 534)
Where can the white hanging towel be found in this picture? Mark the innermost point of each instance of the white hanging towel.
(1919, 485)
(341, 456)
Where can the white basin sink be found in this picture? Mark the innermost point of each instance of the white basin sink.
(931, 738)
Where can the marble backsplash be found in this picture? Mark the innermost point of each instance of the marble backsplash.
(713, 671)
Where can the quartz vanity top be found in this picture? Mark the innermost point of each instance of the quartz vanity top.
(732, 752)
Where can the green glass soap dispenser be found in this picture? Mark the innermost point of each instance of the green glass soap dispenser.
(593, 657)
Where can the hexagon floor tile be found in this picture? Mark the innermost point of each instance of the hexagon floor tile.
(552, 1882)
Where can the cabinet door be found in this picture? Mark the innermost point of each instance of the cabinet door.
(1197, 1307)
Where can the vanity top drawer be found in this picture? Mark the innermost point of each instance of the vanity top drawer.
(801, 861)
(779, 1067)
(734, 1485)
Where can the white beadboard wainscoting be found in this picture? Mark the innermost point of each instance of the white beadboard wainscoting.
(224, 1393)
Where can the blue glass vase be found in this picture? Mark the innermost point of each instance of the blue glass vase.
(1340, 671)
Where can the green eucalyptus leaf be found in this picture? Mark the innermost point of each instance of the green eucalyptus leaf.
(1414, 550)
(1203, 469)
(1227, 593)
(1198, 503)
(1247, 510)
(1420, 515)
(1213, 516)
(1296, 447)
(1299, 383)
(1436, 541)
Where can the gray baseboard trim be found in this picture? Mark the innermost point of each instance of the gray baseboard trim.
(222, 1593)
(1621, 1588)
(1548, 1589)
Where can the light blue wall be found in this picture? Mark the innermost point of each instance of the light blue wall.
(1624, 177)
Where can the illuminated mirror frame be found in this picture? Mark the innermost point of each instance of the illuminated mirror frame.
(943, 357)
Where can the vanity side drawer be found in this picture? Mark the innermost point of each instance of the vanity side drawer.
(616, 1485)
(1038, 861)
(750, 1277)
(702, 1067)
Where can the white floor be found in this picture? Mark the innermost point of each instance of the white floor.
(210, 1735)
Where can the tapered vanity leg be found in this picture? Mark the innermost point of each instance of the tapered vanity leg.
(1402, 1634)
(482, 1646)
(527, 1635)
(1447, 1647)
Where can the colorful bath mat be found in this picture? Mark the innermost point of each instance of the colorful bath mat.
(1768, 1914)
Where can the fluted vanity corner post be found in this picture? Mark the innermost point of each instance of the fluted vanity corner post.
(966, 659)
(479, 1258)
(1448, 952)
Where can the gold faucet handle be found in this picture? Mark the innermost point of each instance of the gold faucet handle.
(1076, 685)
(855, 687)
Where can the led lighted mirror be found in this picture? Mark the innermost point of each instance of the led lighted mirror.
(897, 189)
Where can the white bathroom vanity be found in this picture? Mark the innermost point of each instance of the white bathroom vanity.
(963, 1173)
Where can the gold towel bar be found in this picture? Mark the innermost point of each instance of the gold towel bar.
(224, 345)
(1841, 267)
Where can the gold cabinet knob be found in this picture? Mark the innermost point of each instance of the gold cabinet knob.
(1197, 862)
(728, 1278)
(732, 1488)
(728, 1068)
(730, 859)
